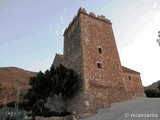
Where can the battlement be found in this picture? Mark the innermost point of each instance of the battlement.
(83, 11)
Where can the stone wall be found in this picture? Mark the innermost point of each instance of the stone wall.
(69, 117)
(104, 83)
(73, 58)
(90, 49)
(58, 60)
(133, 82)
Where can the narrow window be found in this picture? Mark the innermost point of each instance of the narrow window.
(99, 65)
(129, 77)
(100, 50)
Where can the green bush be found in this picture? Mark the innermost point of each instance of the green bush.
(56, 81)
(152, 93)
(53, 113)
(1, 106)
(11, 118)
(21, 104)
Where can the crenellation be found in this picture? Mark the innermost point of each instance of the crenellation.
(101, 17)
(83, 11)
(92, 14)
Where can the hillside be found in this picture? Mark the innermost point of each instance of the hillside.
(153, 86)
(12, 78)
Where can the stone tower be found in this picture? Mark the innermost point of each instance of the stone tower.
(90, 49)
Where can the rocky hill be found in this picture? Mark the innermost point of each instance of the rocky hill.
(11, 79)
(153, 86)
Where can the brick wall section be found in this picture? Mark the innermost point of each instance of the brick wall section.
(73, 58)
(104, 85)
(89, 43)
(133, 82)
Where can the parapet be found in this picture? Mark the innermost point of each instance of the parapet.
(100, 17)
(83, 11)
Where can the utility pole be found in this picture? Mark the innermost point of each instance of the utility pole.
(17, 101)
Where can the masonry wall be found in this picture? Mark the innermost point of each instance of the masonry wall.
(90, 49)
(73, 58)
(104, 85)
(58, 60)
(133, 84)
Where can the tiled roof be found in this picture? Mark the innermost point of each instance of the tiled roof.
(125, 69)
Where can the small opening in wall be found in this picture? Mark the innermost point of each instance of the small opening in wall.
(99, 65)
(100, 50)
(129, 77)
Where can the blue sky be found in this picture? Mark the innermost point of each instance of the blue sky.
(31, 32)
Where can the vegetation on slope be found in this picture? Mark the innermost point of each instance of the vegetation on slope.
(153, 92)
(58, 83)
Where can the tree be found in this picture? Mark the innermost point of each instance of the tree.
(65, 81)
(158, 87)
(55, 103)
(54, 82)
(158, 40)
(152, 93)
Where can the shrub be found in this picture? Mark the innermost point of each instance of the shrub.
(53, 113)
(11, 118)
(1, 106)
(21, 104)
(54, 82)
(152, 93)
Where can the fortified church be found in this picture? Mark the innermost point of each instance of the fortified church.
(90, 49)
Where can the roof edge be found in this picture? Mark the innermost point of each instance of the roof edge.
(128, 70)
